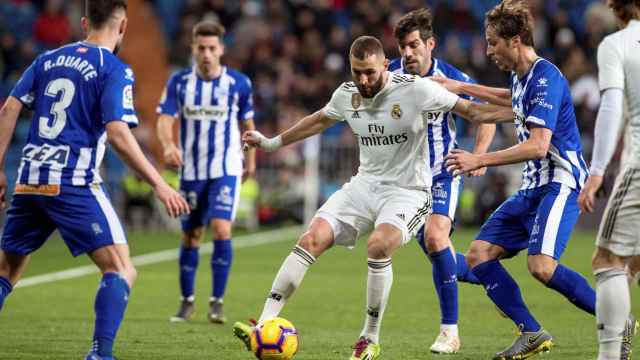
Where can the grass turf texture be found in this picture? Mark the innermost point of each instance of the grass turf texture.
(55, 320)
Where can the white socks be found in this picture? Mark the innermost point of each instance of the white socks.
(451, 329)
(287, 281)
(613, 305)
(379, 282)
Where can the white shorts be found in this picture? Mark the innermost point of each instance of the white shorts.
(620, 228)
(363, 204)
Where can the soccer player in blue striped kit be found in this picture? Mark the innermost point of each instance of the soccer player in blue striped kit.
(82, 96)
(210, 100)
(415, 38)
(542, 214)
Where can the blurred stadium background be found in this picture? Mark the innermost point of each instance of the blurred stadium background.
(295, 52)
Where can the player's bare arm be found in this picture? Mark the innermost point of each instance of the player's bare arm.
(170, 150)
(492, 95)
(309, 125)
(250, 154)
(534, 148)
(483, 113)
(121, 138)
(484, 136)
(8, 116)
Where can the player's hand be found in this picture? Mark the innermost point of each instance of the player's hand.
(175, 204)
(478, 172)
(461, 162)
(452, 85)
(173, 156)
(3, 190)
(254, 138)
(587, 197)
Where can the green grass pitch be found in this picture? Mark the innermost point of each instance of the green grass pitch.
(55, 320)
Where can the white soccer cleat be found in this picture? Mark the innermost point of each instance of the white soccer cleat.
(446, 343)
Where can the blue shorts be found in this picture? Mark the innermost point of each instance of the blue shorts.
(210, 199)
(446, 191)
(83, 215)
(539, 219)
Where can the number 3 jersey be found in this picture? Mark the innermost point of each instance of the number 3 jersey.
(391, 127)
(74, 91)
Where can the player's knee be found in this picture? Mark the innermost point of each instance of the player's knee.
(436, 241)
(192, 238)
(377, 247)
(130, 275)
(311, 242)
(474, 258)
(603, 258)
(221, 230)
(543, 272)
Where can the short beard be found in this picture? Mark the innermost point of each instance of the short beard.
(374, 90)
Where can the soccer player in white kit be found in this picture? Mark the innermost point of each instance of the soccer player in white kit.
(391, 191)
(619, 236)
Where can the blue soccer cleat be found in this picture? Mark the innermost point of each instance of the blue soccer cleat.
(94, 356)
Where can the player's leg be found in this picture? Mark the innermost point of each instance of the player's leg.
(11, 268)
(503, 235)
(311, 244)
(188, 261)
(613, 302)
(551, 229)
(444, 273)
(112, 298)
(633, 271)
(20, 238)
(189, 258)
(618, 244)
(224, 194)
(89, 225)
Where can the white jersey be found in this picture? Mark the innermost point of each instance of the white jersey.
(619, 67)
(391, 127)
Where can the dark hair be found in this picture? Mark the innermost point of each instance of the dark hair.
(420, 20)
(208, 28)
(624, 9)
(365, 46)
(100, 11)
(512, 18)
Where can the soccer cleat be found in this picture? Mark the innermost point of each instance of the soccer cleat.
(243, 332)
(630, 331)
(526, 345)
(446, 343)
(364, 349)
(185, 311)
(216, 315)
(94, 356)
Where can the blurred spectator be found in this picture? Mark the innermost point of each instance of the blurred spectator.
(52, 28)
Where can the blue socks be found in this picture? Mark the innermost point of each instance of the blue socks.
(111, 302)
(446, 283)
(188, 265)
(5, 289)
(505, 293)
(220, 266)
(464, 273)
(574, 287)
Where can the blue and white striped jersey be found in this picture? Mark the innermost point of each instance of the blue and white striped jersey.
(542, 99)
(209, 112)
(441, 131)
(74, 91)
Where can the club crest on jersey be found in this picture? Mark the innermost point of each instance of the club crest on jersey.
(356, 101)
(396, 112)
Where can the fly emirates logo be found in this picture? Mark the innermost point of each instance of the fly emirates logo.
(377, 137)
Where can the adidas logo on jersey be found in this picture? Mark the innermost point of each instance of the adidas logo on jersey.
(401, 216)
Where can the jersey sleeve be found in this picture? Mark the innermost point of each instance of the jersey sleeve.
(544, 98)
(610, 69)
(169, 101)
(117, 97)
(245, 101)
(334, 109)
(25, 87)
(431, 96)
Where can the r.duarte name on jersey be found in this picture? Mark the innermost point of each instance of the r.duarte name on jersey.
(380, 140)
(83, 66)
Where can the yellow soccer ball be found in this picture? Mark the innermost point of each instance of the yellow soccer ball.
(275, 339)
